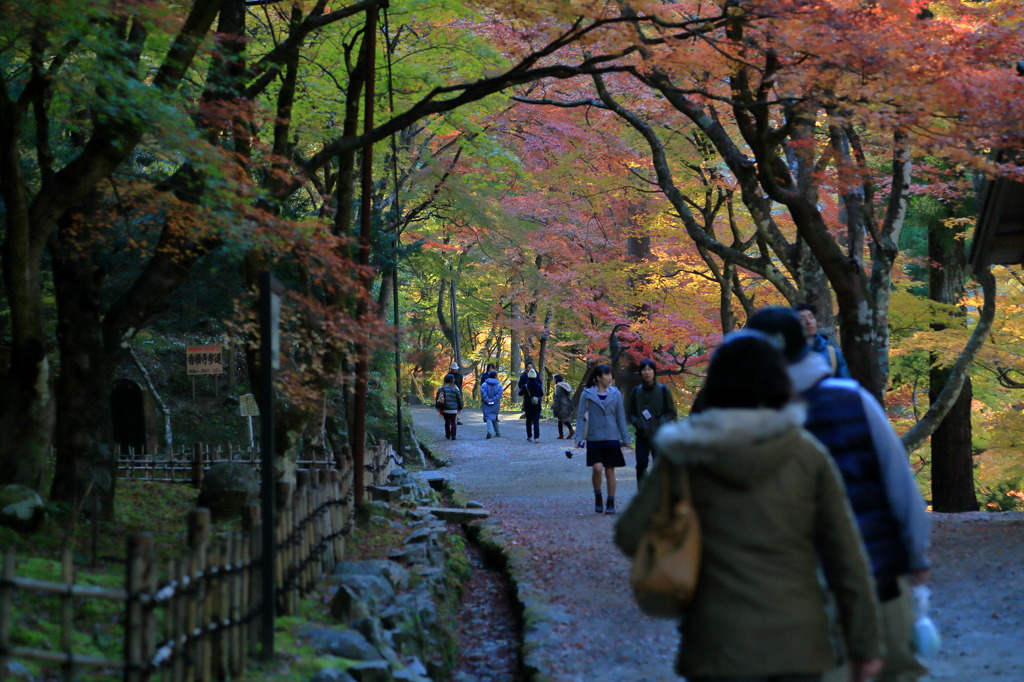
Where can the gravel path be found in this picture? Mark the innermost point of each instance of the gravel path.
(591, 630)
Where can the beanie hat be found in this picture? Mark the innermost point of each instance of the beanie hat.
(784, 327)
(449, 378)
(492, 374)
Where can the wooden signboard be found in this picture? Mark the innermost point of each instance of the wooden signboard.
(205, 359)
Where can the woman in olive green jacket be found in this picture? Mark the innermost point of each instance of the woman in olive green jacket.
(772, 511)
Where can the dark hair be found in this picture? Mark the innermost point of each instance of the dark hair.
(647, 362)
(747, 371)
(599, 370)
(491, 366)
(784, 328)
(557, 378)
(449, 378)
(806, 306)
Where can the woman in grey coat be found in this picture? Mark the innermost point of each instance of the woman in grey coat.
(601, 423)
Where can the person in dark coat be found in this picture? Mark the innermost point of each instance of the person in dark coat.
(456, 372)
(650, 407)
(449, 403)
(490, 399)
(561, 406)
(533, 393)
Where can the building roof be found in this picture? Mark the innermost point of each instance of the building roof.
(999, 237)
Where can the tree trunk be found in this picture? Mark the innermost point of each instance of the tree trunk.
(86, 464)
(26, 415)
(517, 352)
(26, 399)
(952, 465)
(542, 353)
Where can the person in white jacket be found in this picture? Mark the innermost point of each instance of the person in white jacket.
(601, 423)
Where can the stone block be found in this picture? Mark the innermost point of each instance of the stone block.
(434, 479)
(371, 671)
(21, 508)
(392, 571)
(456, 514)
(344, 643)
(385, 493)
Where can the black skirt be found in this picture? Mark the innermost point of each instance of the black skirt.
(609, 456)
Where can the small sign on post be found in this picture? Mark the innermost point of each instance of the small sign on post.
(248, 408)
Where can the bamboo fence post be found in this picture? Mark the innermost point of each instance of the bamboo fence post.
(302, 478)
(199, 543)
(137, 629)
(67, 627)
(190, 615)
(174, 622)
(197, 465)
(283, 551)
(322, 521)
(6, 597)
(252, 584)
(327, 484)
(309, 536)
(214, 609)
(337, 519)
(195, 652)
(236, 610)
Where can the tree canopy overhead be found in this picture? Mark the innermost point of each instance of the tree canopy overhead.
(543, 180)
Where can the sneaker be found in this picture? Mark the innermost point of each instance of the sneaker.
(529, 440)
(489, 436)
(598, 503)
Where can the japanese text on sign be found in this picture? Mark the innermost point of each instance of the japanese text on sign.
(247, 405)
(204, 359)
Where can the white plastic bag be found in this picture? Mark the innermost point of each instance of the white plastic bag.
(927, 640)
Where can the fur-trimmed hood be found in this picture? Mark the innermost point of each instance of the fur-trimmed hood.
(738, 446)
(808, 371)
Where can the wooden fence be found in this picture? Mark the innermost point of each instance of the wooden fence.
(196, 618)
(189, 466)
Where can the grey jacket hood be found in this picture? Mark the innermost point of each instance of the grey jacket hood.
(738, 446)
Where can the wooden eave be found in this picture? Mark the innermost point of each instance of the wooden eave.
(999, 237)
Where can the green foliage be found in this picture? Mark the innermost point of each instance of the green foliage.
(1005, 495)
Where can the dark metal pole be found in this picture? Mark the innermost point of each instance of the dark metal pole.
(398, 346)
(396, 244)
(270, 310)
(362, 368)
